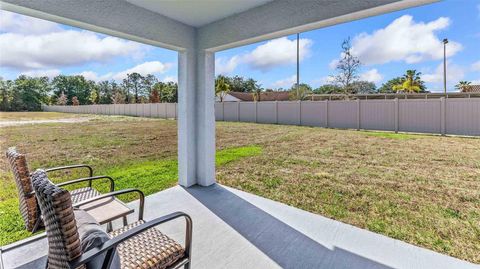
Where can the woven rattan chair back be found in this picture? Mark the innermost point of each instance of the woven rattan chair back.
(28, 203)
(60, 225)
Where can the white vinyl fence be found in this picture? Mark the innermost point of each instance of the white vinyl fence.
(441, 116)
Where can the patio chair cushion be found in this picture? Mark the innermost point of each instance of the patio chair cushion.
(148, 249)
(91, 236)
(28, 202)
(60, 225)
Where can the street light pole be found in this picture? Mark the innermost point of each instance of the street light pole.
(298, 65)
(445, 41)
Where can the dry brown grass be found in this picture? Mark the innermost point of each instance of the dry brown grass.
(423, 190)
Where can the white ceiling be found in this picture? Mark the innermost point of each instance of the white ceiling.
(198, 12)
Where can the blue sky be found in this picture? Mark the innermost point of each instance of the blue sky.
(387, 45)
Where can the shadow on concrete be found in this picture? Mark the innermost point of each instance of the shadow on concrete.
(283, 244)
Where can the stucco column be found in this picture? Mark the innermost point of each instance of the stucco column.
(196, 118)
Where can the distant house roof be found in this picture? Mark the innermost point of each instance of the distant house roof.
(472, 88)
(264, 96)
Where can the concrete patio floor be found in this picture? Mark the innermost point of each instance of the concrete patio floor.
(235, 229)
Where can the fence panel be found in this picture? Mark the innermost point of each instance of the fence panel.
(230, 111)
(342, 114)
(422, 116)
(289, 113)
(247, 111)
(267, 112)
(377, 115)
(171, 110)
(314, 113)
(463, 116)
(444, 116)
(219, 111)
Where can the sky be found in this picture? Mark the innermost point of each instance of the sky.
(387, 45)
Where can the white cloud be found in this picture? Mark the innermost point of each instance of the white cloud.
(154, 67)
(286, 82)
(43, 73)
(455, 73)
(371, 75)
(280, 51)
(90, 75)
(27, 43)
(169, 79)
(404, 40)
(224, 66)
(274, 53)
(476, 66)
(15, 23)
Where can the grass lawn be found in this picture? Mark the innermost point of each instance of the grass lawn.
(423, 190)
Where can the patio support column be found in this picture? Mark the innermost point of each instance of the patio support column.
(196, 118)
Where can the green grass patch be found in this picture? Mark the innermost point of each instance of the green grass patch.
(399, 136)
(148, 176)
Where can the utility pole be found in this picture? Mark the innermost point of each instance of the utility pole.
(445, 42)
(298, 65)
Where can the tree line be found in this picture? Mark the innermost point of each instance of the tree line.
(347, 81)
(29, 93)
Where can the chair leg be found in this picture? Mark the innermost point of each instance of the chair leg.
(109, 227)
(36, 226)
(125, 222)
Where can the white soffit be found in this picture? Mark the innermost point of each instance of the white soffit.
(198, 12)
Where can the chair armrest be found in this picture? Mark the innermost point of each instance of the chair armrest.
(110, 245)
(90, 179)
(115, 193)
(75, 166)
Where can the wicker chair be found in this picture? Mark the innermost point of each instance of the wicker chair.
(28, 204)
(138, 245)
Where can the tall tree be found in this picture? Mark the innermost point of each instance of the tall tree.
(73, 86)
(301, 93)
(148, 82)
(5, 93)
(347, 67)
(118, 97)
(29, 93)
(221, 87)
(134, 83)
(62, 99)
(75, 101)
(363, 87)
(387, 87)
(328, 89)
(464, 86)
(411, 82)
(154, 96)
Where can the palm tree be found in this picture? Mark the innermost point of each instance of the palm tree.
(463, 86)
(221, 87)
(411, 82)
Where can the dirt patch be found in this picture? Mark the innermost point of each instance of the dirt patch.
(29, 122)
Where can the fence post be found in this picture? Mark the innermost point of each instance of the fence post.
(175, 106)
(326, 112)
(358, 115)
(238, 110)
(396, 113)
(300, 112)
(276, 111)
(256, 114)
(443, 115)
(223, 111)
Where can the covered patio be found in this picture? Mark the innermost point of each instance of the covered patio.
(232, 229)
(235, 229)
